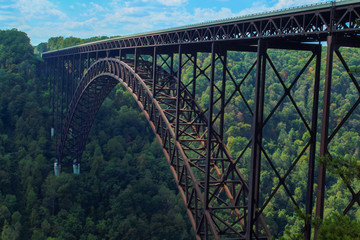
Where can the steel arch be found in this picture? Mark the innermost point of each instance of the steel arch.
(209, 182)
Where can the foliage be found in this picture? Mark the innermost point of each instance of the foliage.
(125, 190)
(334, 227)
(346, 168)
(339, 227)
(61, 42)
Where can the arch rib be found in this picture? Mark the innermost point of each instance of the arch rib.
(187, 154)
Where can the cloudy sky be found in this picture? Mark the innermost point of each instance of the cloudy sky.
(42, 19)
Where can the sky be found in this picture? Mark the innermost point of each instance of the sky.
(43, 19)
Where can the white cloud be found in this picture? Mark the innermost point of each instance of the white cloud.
(172, 2)
(6, 18)
(129, 17)
(210, 14)
(93, 9)
(281, 4)
(38, 9)
(71, 25)
(138, 27)
(29, 15)
(98, 7)
(5, 12)
(43, 19)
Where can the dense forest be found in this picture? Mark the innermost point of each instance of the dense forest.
(125, 190)
(61, 42)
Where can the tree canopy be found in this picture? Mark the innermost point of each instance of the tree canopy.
(125, 190)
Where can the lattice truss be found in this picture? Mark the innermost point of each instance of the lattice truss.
(181, 127)
(271, 177)
(310, 24)
(342, 121)
(214, 190)
(211, 185)
(225, 196)
(190, 126)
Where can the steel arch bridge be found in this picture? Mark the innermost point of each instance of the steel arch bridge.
(222, 193)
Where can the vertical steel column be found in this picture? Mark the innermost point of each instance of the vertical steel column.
(325, 127)
(255, 164)
(64, 92)
(67, 84)
(154, 73)
(193, 89)
(136, 59)
(62, 65)
(209, 126)
(52, 89)
(88, 61)
(310, 183)
(48, 77)
(172, 64)
(222, 109)
(81, 65)
(178, 94)
(56, 102)
(59, 100)
(208, 141)
(194, 76)
(50, 67)
(120, 54)
(178, 99)
(73, 77)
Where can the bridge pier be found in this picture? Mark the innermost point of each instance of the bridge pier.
(57, 168)
(255, 164)
(76, 167)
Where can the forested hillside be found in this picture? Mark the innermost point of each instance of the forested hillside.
(125, 189)
(288, 114)
(61, 42)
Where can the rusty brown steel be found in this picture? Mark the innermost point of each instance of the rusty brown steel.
(191, 135)
(308, 24)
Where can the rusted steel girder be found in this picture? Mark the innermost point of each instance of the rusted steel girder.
(328, 133)
(186, 151)
(208, 178)
(205, 152)
(190, 123)
(309, 24)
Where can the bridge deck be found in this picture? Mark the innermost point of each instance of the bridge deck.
(191, 134)
(304, 24)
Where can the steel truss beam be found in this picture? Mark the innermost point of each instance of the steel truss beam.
(260, 121)
(210, 183)
(191, 148)
(182, 127)
(327, 134)
(192, 136)
(201, 165)
(307, 24)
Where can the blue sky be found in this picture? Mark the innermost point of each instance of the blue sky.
(42, 19)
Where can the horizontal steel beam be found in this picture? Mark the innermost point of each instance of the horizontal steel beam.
(309, 24)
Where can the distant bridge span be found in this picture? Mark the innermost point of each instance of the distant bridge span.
(222, 193)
